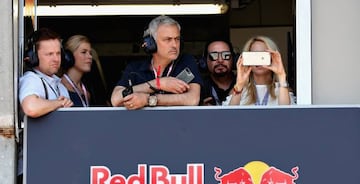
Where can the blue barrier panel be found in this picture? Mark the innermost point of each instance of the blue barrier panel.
(185, 146)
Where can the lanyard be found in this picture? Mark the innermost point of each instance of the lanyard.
(265, 99)
(84, 102)
(157, 72)
(216, 98)
(55, 91)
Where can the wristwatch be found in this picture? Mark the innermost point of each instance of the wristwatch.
(284, 84)
(152, 100)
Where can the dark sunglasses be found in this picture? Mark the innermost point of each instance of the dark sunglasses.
(225, 55)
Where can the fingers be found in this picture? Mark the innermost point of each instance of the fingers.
(68, 103)
(129, 105)
(65, 102)
(174, 85)
(135, 101)
(182, 87)
(240, 67)
(207, 101)
(247, 72)
(239, 62)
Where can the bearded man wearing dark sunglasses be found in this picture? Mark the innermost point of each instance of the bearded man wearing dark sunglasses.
(219, 58)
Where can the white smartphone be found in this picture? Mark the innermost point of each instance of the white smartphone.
(256, 58)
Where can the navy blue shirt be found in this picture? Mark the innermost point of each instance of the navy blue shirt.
(141, 71)
(210, 89)
(76, 99)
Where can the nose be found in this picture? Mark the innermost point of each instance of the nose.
(175, 42)
(57, 57)
(220, 58)
(89, 55)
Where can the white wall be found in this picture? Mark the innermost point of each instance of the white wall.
(7, 139)
(335, 51)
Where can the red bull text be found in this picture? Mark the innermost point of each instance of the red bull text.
(158, 174)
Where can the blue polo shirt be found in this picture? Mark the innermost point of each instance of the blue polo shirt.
(141, 71)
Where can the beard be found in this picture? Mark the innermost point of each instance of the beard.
(223, 71)
(220, 74)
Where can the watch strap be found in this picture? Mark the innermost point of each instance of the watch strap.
(284, 84)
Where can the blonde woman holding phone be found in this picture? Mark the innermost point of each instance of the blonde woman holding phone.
(261, 84)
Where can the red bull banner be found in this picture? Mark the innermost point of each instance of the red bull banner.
(199, 145)
(255, 172)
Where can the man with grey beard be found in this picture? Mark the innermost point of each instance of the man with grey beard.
(219, 58)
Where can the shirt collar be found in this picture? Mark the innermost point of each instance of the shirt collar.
(53, 80)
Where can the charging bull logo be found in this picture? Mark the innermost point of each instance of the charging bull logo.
(274, 175)
(256, 172)
(238, 176)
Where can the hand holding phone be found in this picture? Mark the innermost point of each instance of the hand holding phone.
(256, 58)
(186, 75)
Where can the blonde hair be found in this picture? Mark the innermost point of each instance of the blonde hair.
(74, 42)
(71, 45)
(270, 44)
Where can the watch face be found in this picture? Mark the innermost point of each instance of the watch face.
(152, 100)
(284, 85)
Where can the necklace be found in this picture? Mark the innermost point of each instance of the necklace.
(77, 90)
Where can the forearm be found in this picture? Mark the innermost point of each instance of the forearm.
(116, 96)
(191, 97)
(236, 94)
(35, 107)
(145, 87)
(235, 99)
(284, 97)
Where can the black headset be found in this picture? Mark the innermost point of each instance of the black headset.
(203, 60)
(68, 60)
(67, 57)
(150, 47)
(149, 44)
(31, 53)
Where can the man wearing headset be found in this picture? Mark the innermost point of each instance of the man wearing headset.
(154, 82)
(40, 90)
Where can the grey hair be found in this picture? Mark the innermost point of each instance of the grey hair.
(158, 21)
